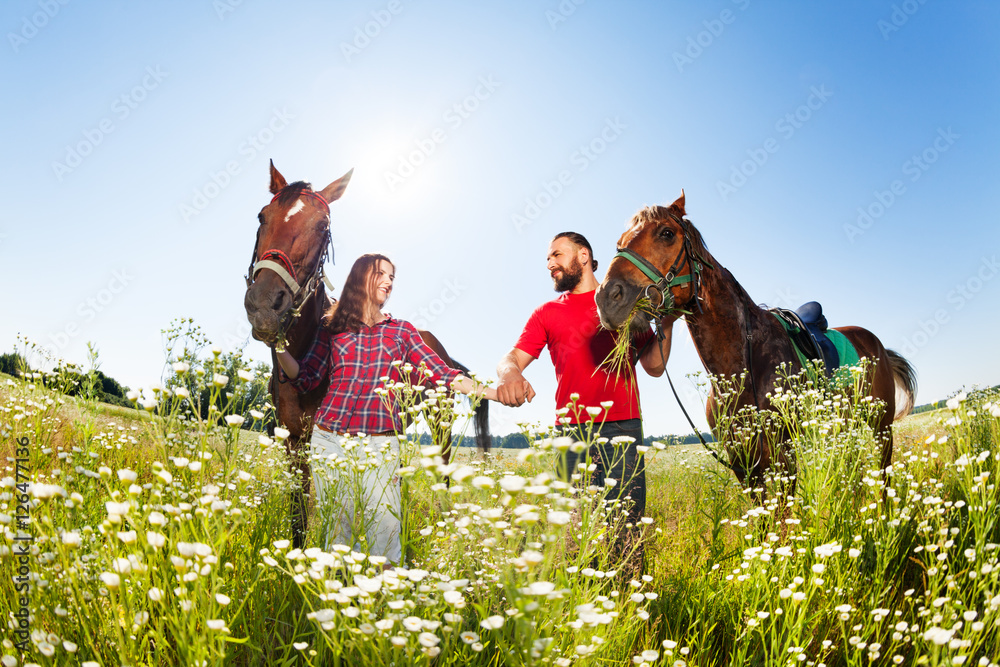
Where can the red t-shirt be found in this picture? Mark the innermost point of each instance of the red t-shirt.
(571, 328)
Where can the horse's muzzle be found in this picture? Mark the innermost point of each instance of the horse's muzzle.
(615, 298)
(267, 306)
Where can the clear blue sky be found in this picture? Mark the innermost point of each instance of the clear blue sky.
(780, 120)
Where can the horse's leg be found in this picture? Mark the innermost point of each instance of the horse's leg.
(884, 429)
(296, 413)
(445, 446)
(298, 460)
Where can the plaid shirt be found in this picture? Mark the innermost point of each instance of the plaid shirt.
(355, 363)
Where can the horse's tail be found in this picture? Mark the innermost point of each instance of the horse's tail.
(480, 417)
(905, 378)
(481, 426)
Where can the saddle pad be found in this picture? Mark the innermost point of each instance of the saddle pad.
(848, 355)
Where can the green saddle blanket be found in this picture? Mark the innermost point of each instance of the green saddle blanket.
(845, 349)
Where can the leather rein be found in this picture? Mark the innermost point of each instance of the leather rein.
(277, 261)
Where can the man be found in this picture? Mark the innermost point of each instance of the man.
(569, 326)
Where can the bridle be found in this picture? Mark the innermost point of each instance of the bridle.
(278, 261)
(663, 283)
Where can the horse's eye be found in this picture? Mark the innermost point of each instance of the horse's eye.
(260, 217)
(667, 234)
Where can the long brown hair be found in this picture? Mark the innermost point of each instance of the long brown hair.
(348, 314)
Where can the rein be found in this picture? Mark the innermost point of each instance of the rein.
(277, 261)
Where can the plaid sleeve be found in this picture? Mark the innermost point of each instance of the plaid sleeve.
(420, 353)
(314, 366)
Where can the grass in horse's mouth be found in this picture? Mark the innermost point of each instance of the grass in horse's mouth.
(619, 360)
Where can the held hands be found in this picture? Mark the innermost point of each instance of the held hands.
(514, 391)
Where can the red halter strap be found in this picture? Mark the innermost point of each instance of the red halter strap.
(309, 193)
(283, 259)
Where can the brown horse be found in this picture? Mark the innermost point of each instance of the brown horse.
(285, 301)
(662, 256)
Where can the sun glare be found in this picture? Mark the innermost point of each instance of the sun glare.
(397, 178)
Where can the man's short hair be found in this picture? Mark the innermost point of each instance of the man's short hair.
(580, 241)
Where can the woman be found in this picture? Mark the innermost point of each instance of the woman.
(355, 347)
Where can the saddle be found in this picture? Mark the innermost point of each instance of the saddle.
(807, 327)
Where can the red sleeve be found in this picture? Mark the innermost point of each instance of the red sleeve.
(535, 336)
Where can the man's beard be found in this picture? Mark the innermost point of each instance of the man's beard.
(570, 278)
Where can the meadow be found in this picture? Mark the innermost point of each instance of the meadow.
(162, 536)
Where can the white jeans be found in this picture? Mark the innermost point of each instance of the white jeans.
(357, 492)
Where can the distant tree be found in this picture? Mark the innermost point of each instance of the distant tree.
(13, 363)
(511, 441)
(185, 346)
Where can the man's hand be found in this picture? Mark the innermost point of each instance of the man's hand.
(514, 391)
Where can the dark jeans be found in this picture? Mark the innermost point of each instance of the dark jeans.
(621, 462)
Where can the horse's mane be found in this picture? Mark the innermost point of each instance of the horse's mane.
(292, 192)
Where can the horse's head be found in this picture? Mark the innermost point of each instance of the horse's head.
(660, 256)
(287, 262)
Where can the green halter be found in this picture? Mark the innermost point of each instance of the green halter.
(663, 283)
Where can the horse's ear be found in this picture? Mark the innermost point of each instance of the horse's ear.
(679, 204)
(278, 181)
(333, 192)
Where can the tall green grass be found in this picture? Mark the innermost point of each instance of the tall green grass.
(162, 537)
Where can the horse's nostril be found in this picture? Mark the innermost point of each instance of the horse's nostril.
(616, 292)
(279, 301)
